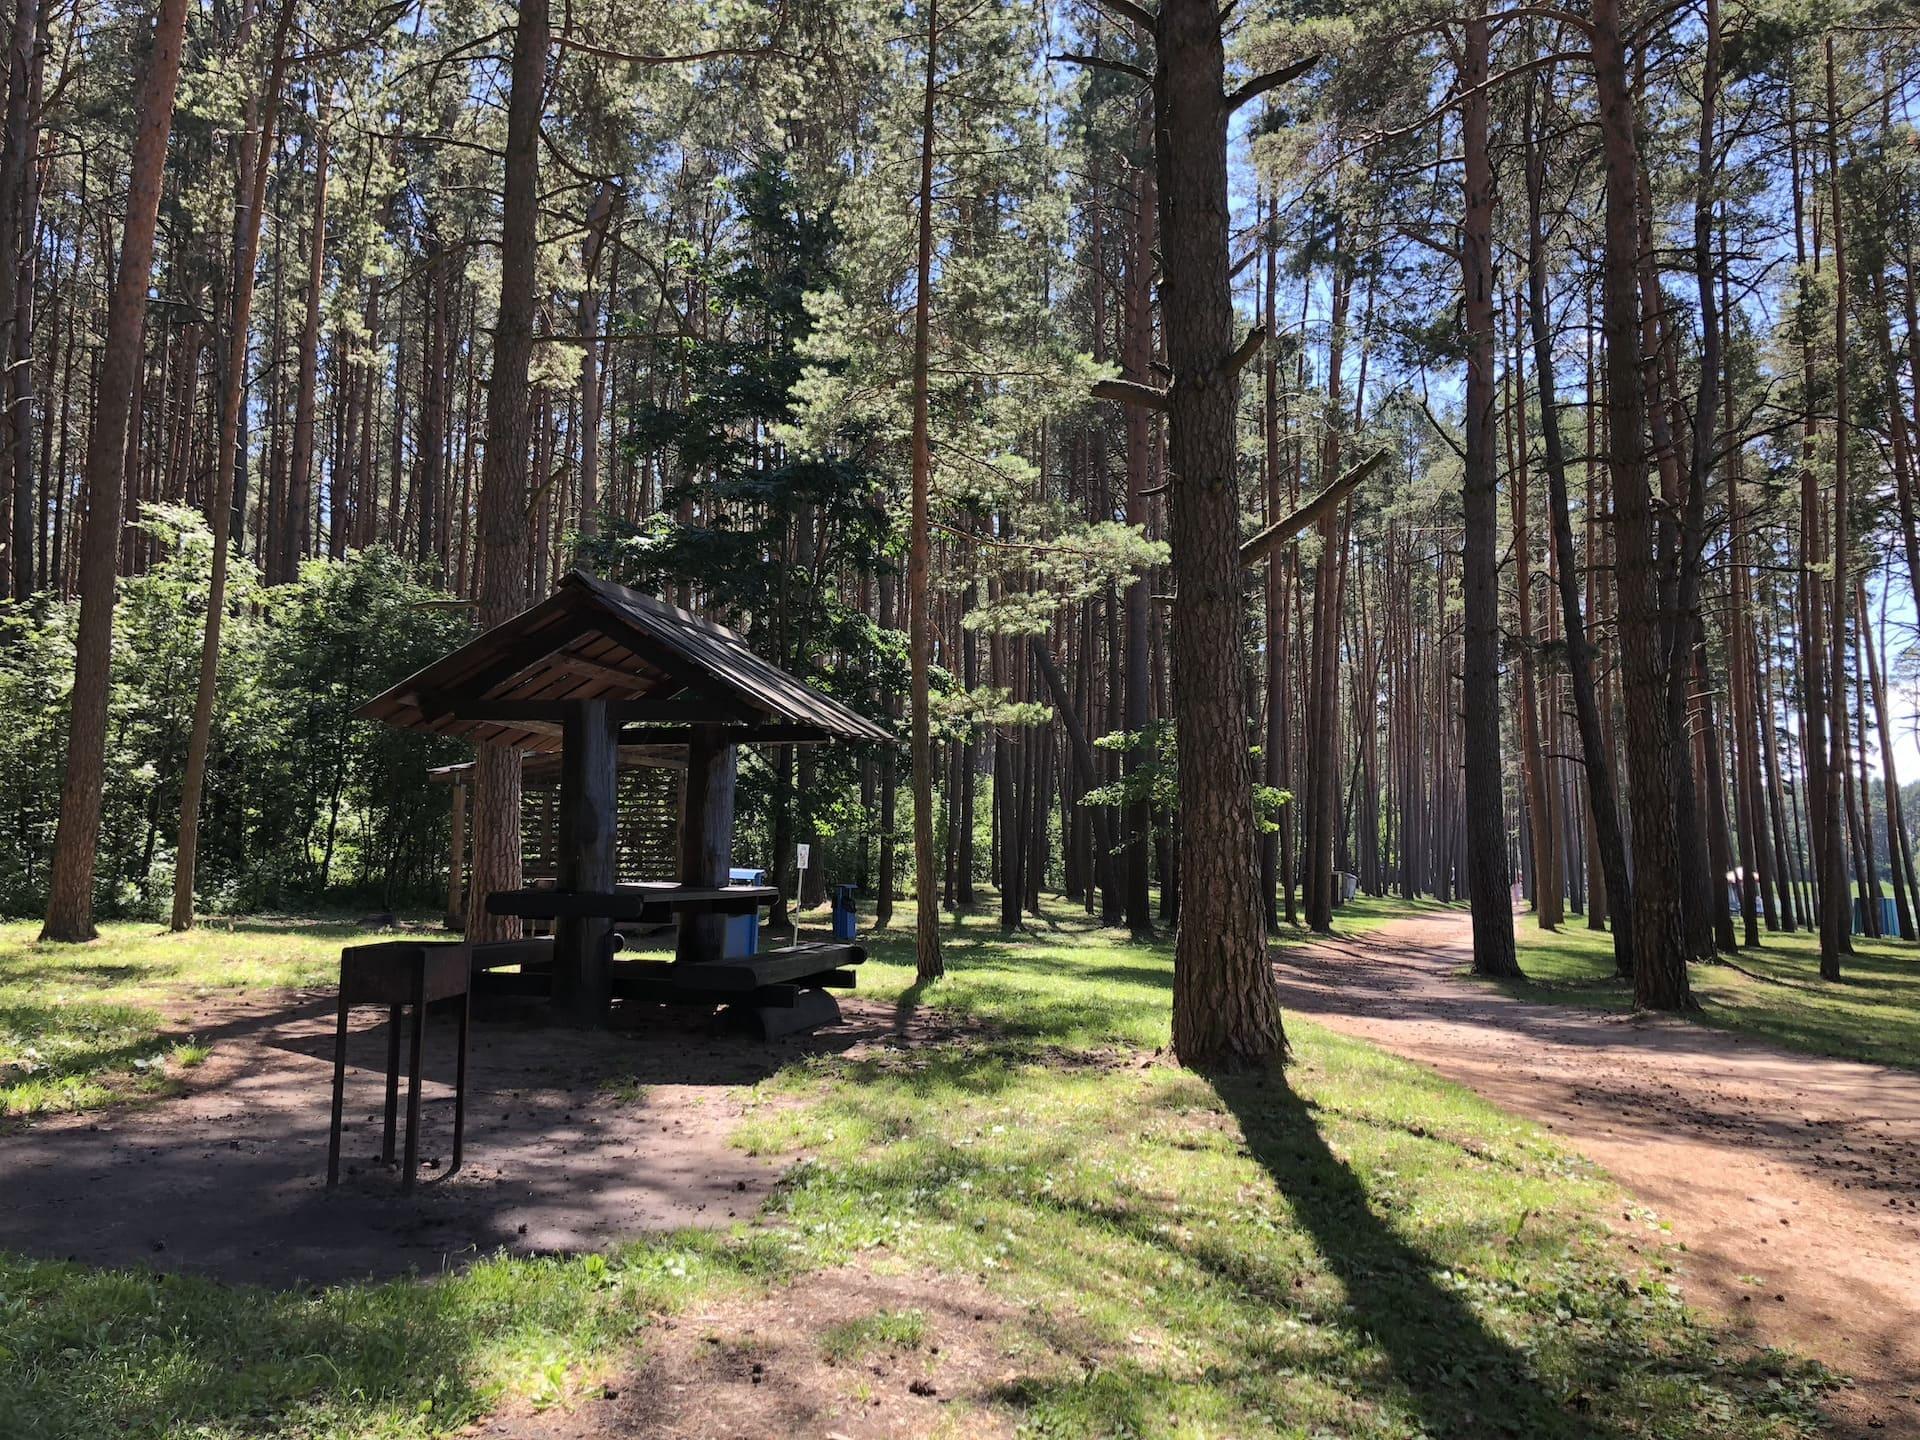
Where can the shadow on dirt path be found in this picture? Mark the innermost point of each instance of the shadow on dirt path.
(575, 1140)
(1793, 1181)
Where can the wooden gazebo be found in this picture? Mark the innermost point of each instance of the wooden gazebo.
(646, 835)
(590, 672)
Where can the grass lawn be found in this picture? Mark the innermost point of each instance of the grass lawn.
(1367, 1251)
(1871, 1013)
(78, 1023)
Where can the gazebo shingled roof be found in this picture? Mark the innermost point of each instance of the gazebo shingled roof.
(660, 668)
(596, 673)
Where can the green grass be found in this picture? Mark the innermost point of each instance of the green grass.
(1366, 1251)
(80, 1025)
(1871, 1013)
(884, 1330)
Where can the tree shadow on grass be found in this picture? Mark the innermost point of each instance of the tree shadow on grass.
(1452, 1373)
(136, 1351)
(907, 1006)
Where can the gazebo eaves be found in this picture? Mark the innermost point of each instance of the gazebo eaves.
(660, 670)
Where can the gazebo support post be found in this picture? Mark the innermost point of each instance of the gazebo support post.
(457, 861)
(584, 854)
(706, 835)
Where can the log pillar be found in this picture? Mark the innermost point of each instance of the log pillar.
(584, 855)
(457, 861)
(706, 835)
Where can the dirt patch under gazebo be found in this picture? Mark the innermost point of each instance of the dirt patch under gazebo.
(575, 1141)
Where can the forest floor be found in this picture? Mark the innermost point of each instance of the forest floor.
(1774, 991)
(981, 1207)
(1791, 1181)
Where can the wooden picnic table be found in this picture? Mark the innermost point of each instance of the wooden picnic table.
(766, 979)
(648, 901)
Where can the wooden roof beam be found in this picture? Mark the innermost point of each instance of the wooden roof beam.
(680, 710)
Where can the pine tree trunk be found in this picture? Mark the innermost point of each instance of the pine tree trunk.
(889, 773)
(599, 216)
(929, 964)
(1546, 858)
(1488, 878)
(256, 156)
(77, 838)
(1137, 353)
(1836, 925)
(1903, 897)
(1660, 958)
(16, 281)
(1226, 1008)
(296, 535)
(503, 540)
(1602, 803)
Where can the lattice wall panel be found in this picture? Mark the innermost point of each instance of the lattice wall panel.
(648, 840)
(649, 825)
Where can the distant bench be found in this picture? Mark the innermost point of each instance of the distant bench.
(770, 979)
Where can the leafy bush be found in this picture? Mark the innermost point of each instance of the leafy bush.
(303, 803)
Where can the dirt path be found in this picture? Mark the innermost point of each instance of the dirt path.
(574, 1141)
(1792, 1181)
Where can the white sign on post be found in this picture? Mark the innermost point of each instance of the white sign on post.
(805, 852)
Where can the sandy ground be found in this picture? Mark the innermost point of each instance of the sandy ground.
(574, 1141)
(761, 1370)
(1792, 1181)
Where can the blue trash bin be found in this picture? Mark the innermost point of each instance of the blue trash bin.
(742, 937)
(843, 917)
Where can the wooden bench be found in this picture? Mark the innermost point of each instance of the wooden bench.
(401, 975)
(793, 978)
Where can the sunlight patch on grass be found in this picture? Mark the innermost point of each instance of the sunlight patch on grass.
(884, 1330)
(92, 1352)
(1374, 1252)
(81, 1025)
(1775, 992)
(1364, 1250)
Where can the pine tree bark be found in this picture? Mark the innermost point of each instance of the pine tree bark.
(1660, 955)
(1602, 804)
(16, 237)
(928, 961)
(1547, 885)
(296, 532)
(1903, 896)
(502, 519)
(1137, 352)
(77, 837)
(256, 158)
(1835, 917)
(1226, 1007)
(1488, 878)
(599, 217)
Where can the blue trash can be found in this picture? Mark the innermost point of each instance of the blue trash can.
(843, 917)
(742, 937)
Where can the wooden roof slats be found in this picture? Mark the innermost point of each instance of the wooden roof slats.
(660, 668)
(725, 655)
(544, 768)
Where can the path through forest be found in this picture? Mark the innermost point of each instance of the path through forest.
(1792, 1181)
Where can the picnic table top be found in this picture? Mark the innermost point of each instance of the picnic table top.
(628, 901)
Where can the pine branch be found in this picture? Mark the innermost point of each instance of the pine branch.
(1261, 84)
(1138, 14)
(1285, 528)
(1246, 350)
(1131, 392)
(606, 52)
(1101, 62)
